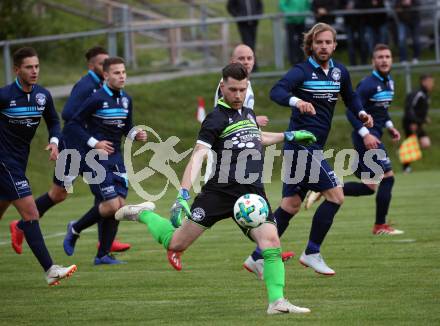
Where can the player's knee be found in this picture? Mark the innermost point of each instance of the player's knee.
(109, 208)
(291, 205)
(334, 195)
(269, 240)
(372, 187)
(337, 199)
(58, 196)
(30, 214)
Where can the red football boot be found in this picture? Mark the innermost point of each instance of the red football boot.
(118, 246)
(174, 259)
(285, 256)
(17, 237)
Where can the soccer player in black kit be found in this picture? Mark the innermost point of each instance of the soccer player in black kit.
(230, 131)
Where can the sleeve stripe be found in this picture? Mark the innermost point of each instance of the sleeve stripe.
(416, 99)
(201, 142)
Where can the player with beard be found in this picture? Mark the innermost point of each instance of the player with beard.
(310, 89)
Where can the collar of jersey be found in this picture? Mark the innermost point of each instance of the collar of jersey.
(317, 65)
(223, 103)
(94, 76)
(376, 74)
(17, 82)
(110, 92)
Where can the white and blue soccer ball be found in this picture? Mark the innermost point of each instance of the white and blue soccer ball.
(251, 210)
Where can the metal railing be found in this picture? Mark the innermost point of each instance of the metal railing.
(171, 26)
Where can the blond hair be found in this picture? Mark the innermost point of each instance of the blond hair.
(312, 33)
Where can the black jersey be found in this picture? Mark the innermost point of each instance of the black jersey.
(235, 140)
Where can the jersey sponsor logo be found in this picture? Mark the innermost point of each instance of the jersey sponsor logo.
(40, 98)
(24, 122)
(334, 178)
(336, 74)
(21, 185)
(117, 123)
(124, 102)
(329, 96)
(108, 190)
(198, 214)
(242, 141)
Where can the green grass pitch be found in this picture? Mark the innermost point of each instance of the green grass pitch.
(379, 280)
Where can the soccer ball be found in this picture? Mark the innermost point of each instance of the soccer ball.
(251, 210)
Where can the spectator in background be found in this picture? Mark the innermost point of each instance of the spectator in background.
(374, 26)
(321, 9)
(295, 27)
(408, 24)
(247, 29)
(416, 113)
(352, 25)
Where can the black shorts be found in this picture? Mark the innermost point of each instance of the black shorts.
(211, 206)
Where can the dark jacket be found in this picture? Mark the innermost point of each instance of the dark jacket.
(416, 107)
(329, 5)
(405, 12)
(376, 18)
(239, 8)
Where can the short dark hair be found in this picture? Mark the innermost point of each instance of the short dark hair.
(93, 52)
(112, 61)
(23, 53)
(423, 77)
(234, 70)
(380, 47)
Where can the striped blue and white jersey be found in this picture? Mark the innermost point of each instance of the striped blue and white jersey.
(20, 116)
(309, 82)
(376, 93)
(105, 115)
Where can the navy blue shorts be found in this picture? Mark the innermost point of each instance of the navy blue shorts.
(115, 182)
(383, 161)
(13, 182)
(305, 169)
(64, 167)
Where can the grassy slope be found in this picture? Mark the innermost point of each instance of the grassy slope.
(380, 280)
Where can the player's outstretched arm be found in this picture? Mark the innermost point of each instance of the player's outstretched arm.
(192, 171)
(194, 166)
(299, 136)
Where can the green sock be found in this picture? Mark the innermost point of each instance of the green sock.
(273, 273)
(160, 228)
